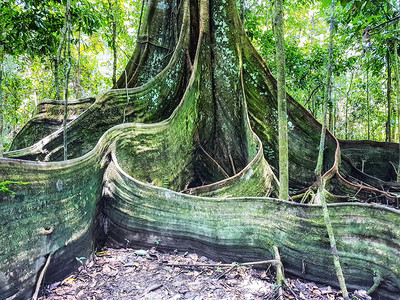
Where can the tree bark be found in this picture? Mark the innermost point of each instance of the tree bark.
(282, 105)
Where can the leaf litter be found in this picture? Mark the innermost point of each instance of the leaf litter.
(149, 275)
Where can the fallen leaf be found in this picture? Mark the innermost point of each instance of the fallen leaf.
(317, 292)
(288, 296)
(107, 270)
(68, 281)
(140, 252)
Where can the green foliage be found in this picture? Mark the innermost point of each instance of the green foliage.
(31, 35)
(306, 28)
(32, 30)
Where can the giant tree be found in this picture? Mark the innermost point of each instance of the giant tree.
(195, 167)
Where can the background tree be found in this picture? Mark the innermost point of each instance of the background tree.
(282, 106)
(68, 29)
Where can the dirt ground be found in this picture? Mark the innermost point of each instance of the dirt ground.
(147, 274)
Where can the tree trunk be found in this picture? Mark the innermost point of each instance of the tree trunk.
(1, 104)
(78, 90)
(318, 169)
(332, 110)
(57, 59)
(282, 106)
(242, 10)
(368, 105)
(112, 11)
(388, 96)
(68, 28)
(347, 107)
(140, 20)
(57, 77)
(397, 72)
(193, 166)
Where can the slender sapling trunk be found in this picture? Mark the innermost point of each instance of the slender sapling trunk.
(1, 104)
(396, 64)
(318, 169)
(112, 11)
(282, 105)
(388, 96)
(347, 107)
(67, 74)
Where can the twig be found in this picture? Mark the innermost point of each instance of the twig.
(153, 44)
(41, 276)
(312, 93)
(226, 272)
(380, 25)
(233, 165)
(358, 191)
(214, 161)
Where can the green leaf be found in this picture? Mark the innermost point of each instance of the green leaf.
(140, 252)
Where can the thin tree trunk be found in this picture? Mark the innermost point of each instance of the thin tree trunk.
(67, 74)
(56, 77)
(396, 62)
(140, 20)
(78, 79)
(330, 115)
(112, 11)
(368, 106)
(282, 105)
(388, 97)
(57, 60)
(313, 93)
(346, 135)
(1, 104)
(242, 8)
(318, 169)
(332, 109)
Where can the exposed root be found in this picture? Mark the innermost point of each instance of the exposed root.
(41, 276)
(377, 282)
(254, 263)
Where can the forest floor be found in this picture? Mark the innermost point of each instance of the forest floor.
(147, 274)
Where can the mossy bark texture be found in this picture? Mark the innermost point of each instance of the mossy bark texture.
(194, 168)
